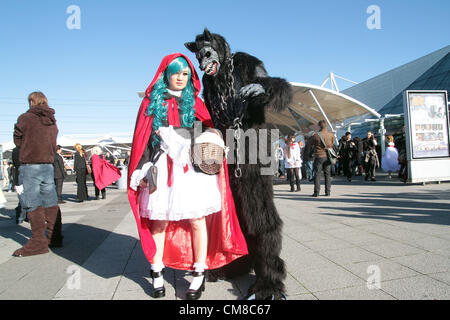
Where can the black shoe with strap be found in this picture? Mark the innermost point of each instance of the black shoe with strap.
(161, 291)
(192, 294)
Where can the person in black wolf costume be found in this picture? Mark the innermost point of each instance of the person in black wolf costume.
(237, 90)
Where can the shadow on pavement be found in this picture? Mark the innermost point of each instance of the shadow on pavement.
(120, 255)
(18, 233)
(383, 206)
(405, 207)
(80, 242)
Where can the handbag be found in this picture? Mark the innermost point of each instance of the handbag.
(88, 167)
(367, 157)
(152, 174)
(332, 153)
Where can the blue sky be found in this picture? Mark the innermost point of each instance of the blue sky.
(91, 75)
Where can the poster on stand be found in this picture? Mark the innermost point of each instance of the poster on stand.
(428, 116)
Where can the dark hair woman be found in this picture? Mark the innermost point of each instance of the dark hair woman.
(293, 161)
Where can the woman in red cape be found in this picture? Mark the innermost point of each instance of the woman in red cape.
(224, 236)
(103, 173)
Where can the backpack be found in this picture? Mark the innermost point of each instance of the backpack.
(332, 153)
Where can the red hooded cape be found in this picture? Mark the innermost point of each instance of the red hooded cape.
(225, 239)
(104, 172)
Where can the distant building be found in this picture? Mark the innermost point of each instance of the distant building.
(384, 93)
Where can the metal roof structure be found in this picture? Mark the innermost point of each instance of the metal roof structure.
(385, 91)
(313, 103)
(435, 78)
(380, 90)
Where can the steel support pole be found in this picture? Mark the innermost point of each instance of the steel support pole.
(321, 110)
(382, 132)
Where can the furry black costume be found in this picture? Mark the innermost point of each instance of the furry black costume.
(237, 91)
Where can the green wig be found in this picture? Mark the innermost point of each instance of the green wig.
(158, 107)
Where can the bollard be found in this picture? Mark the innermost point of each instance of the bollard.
(122, 182)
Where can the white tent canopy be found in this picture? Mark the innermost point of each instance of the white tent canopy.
(315, 103)
(69, 141)
(95, 139)
(312, 103)
(7, 146)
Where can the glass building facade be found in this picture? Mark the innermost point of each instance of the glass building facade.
(435, 77)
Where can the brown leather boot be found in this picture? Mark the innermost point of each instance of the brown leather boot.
(38, 243)
(54, 225)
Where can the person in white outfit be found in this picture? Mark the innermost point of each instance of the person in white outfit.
(5, 174)
(280, 157)
(389, 161)
(293, 162)
(2, 199)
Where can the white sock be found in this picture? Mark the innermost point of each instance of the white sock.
(197, 281)
(157, 282)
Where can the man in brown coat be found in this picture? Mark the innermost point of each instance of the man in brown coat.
(321, 162)
(35, 134)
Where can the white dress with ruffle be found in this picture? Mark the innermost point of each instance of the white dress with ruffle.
(192, 194)
(389, 161)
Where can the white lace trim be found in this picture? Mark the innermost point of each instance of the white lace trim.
(176, 93)
(138, 175)
(178, 216)
(191, 195)
(177, 147)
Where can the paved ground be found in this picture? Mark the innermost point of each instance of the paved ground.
(334, 247)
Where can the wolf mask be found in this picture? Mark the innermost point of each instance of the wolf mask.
(211, 52)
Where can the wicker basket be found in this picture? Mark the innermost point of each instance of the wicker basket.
(208, 156)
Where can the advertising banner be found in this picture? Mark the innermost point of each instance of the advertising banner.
(428, 117)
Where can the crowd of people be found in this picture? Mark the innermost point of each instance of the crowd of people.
(97, 166)
(83, 168)
(355, 157)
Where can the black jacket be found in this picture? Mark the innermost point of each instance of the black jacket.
(79, 162)
(348, 150)
(58, 165)
(308, 153)
(16, 163)
(369, 144)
